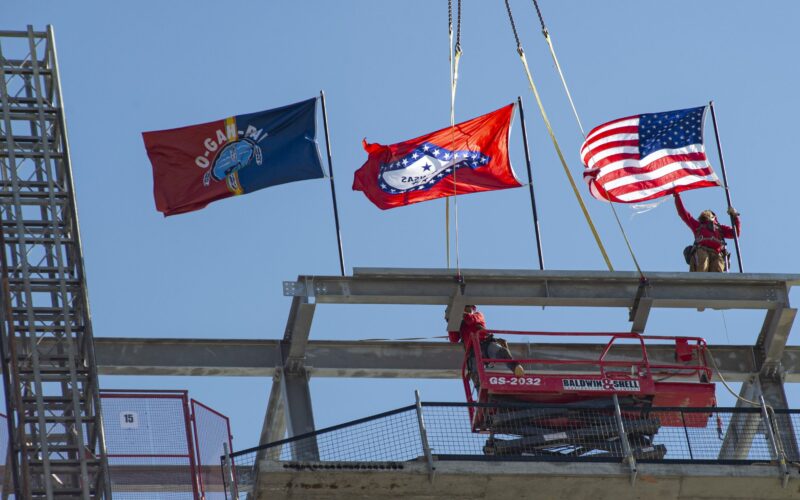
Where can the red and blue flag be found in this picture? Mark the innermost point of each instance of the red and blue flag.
(469, 157)
(196, 165)
(641, 157)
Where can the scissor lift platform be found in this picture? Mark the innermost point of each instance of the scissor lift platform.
(585, 423)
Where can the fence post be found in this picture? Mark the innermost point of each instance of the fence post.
(223, 460)
(423, 434)
(623, 437)
(229, 472)
(773, 442)
(686, 433)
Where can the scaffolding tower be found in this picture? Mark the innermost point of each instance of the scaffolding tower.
(56, 445)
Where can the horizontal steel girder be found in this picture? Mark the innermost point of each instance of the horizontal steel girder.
(370, 359)
(548, 288)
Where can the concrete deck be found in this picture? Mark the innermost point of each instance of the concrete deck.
(524, 480)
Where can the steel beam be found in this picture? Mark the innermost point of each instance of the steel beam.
(743, 426)
(773, 337)
(772, 340)
(640, 314)
(768, 381)
(547, 288)
(775, 396)
(274, 427)
(298, 327)
(299, 415)
(370, 359)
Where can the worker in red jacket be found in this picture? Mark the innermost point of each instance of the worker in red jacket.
(709, 252)
(490, 346)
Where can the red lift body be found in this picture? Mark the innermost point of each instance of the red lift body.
(684, 383)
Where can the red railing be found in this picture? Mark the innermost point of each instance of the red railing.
(644, 366)
(147, 431)
(162, 442)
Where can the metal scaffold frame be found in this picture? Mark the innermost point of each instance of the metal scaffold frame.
(57, 447)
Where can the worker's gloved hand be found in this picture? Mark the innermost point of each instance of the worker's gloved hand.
(732, 212)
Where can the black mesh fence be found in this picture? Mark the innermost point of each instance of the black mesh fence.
(462, 431)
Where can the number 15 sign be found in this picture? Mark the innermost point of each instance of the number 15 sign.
(129, 420)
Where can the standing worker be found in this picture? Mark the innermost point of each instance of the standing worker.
(709, 252)
(491, 347)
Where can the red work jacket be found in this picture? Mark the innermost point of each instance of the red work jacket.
(706, 234)
(472, 322)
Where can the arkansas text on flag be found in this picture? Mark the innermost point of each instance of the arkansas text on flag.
(468, 158)
(645, 156)
(198, 164)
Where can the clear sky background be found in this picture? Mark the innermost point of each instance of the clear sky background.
(128, 67)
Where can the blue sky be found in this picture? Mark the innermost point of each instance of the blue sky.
(127, 67)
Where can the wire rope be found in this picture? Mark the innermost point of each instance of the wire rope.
(452, 116)
(455, 57)
(549, 127)
(546, 34)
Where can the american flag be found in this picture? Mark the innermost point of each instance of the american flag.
(646, 156)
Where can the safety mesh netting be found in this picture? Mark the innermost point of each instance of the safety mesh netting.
(212, 433)
(148, 441)
(461, 431)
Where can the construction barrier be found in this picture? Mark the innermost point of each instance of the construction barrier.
(149, 444)
(732, 436)
(160, 446)
(212, 430)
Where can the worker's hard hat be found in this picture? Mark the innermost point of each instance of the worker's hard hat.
(707, 215)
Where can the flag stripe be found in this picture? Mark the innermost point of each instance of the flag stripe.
(621, 122)
(633, 167)
(620, 133)
(649, 194)
(668, 173)
(610, 149)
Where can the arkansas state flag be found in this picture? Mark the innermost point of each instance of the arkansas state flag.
(198, 164)
(468, 158)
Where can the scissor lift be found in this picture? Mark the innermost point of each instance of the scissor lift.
(564, 407)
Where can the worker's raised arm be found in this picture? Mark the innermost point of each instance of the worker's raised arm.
(684, 214)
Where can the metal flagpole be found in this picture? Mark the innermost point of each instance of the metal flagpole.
(530, 184)
(333, 187)
(725, 185)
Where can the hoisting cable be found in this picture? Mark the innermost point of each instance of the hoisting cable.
(725, 382)
(455, 57)
(452, 116)
(546, 34)
(521, 53)
(627, 242)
